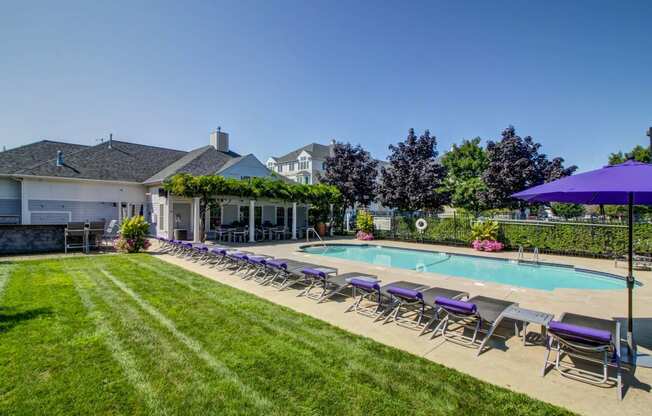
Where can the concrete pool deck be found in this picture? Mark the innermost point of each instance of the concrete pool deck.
(509, 363)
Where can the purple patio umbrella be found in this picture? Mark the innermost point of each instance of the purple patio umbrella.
(628, 183)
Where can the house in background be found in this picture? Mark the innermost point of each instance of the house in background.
(51, 182)
(303, 165)
(308, 163)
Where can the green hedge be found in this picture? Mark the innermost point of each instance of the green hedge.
(578, 239)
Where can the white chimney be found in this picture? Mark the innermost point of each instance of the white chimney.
(220, 140)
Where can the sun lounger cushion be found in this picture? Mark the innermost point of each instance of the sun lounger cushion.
(405, 293)
(579, 332)
(365, 284)
(278, 264)
(458, 306)
(314, 272)
(257, 259)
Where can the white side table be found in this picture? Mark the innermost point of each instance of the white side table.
(528, 316)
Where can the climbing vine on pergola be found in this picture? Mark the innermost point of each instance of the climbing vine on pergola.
(209, 187)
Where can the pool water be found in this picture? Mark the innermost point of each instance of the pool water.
(507, 272)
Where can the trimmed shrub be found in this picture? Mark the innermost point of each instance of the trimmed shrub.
(572, 238)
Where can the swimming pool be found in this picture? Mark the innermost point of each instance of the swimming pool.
(507, 272)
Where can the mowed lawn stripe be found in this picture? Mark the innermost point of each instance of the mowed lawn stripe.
(301, 341)
(345, 370)
(179, 377)
(279, 325)
(52, 359)
(261, 404)
(126, 360)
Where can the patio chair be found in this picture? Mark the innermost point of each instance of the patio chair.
(413, 305)
(587, 339)
(482, 314)
(330, 285)
(111, 232)
(239, 235)
(74, 236)
(95, 234)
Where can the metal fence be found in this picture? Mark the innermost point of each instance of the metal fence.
(582, 238)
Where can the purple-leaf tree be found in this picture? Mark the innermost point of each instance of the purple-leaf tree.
(413, 181)
(353, 171)
(515, 164)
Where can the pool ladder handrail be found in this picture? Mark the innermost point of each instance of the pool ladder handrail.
(521, 255)
(312, 229)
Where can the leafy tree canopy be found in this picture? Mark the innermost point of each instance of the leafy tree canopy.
(515, 164)
(465, 165)
(638, 153)
(352, 170)
(412, 180)
(568, 210)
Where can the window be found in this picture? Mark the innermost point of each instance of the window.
(270, 165)
(161, 217)
(244, 214)
(323, 166)
(303, 163)
(245, 177)
(279, 168)
(215, 217)
(280, 216)
(293, 166)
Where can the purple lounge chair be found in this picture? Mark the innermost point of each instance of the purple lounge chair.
(591, 340)
(480, 313)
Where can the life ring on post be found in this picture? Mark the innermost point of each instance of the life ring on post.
(421, 224)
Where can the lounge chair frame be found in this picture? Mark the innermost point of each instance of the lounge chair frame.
(606, 356)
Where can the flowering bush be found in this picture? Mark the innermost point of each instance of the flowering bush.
(361, 235)
(132, 235)
(487, 245)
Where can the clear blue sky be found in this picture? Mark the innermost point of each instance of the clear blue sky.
(577, 76)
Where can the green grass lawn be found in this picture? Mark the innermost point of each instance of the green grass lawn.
(131, 334)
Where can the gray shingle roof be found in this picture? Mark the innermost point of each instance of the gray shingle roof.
(203, 161)
(316, 151)
(32, 154)
(124, 161)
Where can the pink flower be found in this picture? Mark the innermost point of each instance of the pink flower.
(361, 235)
(487, 245)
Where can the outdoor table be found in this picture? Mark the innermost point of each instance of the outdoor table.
(528, 316)
(279, 234)
(221, 232)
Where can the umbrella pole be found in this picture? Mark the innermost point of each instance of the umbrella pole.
(630, 277)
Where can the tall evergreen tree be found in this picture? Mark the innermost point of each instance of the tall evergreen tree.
(413, 179)
(353, 171)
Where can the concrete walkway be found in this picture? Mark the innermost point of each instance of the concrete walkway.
(508, 363)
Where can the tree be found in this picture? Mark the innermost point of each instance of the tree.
(352, 170)
(515, 164)
(465, 165)
(568, 210)
(638, 153)
(413, 179)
